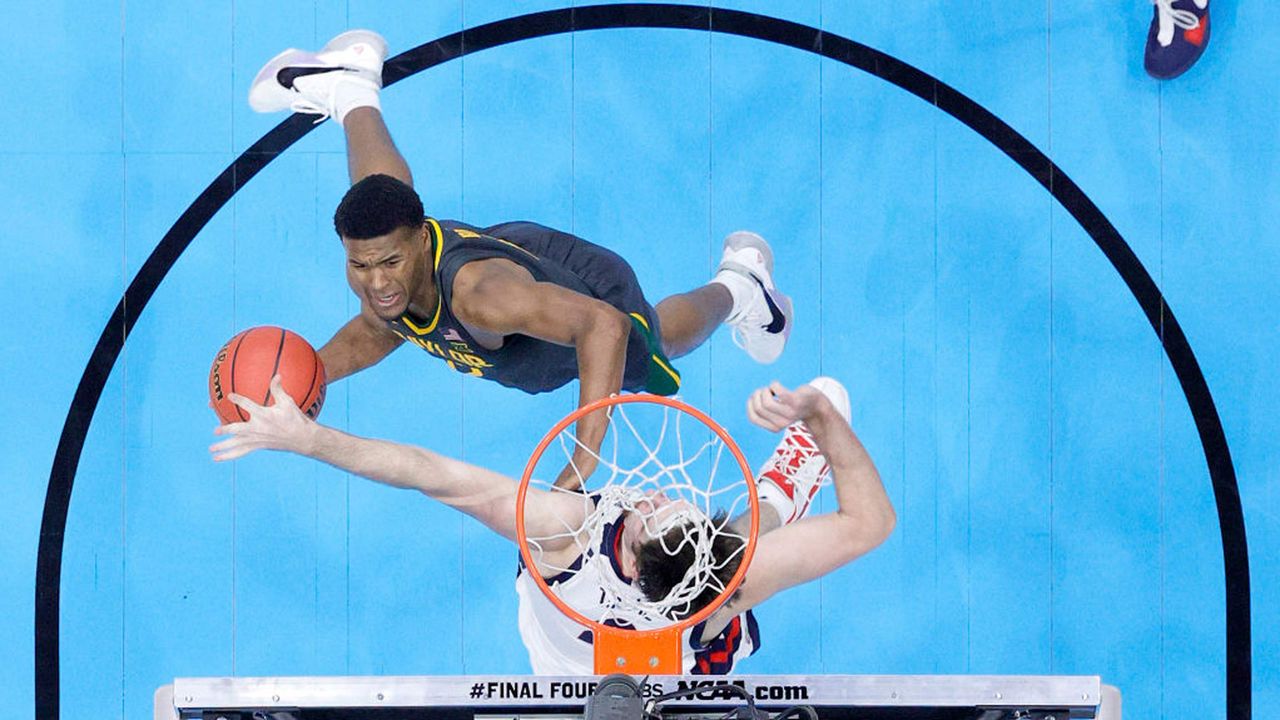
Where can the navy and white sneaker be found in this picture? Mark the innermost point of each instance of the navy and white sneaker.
(1178, 36)
(304, 81)
(761, 321)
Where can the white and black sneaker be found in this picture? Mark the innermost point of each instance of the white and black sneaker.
(308, 82)
(762, 316)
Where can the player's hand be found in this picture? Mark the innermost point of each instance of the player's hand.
(278, 426)
(577, 471)
(775, 407)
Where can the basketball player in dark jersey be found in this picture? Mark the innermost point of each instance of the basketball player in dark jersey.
(525, 305)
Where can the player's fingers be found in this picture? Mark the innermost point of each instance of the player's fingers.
(779, 401)
(768, 404)
(763, 410)
(230, 455)
(236, 447)
(790, 398)
(767, 424)
(244, 403)
(235, 439)
(231, 428)
(784, 399)
(277, 391)
(226, 450)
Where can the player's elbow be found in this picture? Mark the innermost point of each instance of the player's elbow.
(607, 323)
(867, 528)
(883, 522)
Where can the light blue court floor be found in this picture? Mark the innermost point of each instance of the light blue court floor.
(980, 282)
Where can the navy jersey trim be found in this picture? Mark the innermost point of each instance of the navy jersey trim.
(717, 657)
(611, 546)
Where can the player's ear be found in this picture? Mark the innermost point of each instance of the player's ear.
(628, 563)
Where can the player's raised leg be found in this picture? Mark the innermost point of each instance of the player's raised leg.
(742, 294)
(688, 319)
(343, 81)
(789, 480)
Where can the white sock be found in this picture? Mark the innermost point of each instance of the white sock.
(741, 289)
(352, 93)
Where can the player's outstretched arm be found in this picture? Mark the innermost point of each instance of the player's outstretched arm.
(363, 342)
(483, 494)
(502, 297)
(814, 546)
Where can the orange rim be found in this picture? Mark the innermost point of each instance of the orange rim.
(660, 647)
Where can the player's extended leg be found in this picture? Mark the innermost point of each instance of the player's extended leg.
(741, 294)
(688, 319)
(343, 80)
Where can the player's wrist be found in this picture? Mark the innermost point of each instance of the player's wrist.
(311, 439)
(821, 412)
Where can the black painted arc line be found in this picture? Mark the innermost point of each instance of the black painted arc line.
(848, 52)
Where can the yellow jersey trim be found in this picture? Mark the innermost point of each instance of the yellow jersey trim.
(657, 360)
(463, 232)
(667, 369)
(438, 237)
(526, 252)
(439, 240)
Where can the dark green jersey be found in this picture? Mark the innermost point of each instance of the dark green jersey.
(552, 256)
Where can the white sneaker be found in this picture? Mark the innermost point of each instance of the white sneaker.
(304, 81)
(761, 321)
(792, 476)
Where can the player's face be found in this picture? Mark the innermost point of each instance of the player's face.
(391, 272)
(649, 518)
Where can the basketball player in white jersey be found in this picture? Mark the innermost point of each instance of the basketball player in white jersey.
(793, 547)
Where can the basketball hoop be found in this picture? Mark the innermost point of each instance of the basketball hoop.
(652, 452)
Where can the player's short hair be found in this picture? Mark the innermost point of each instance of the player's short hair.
(375, 206)
(658, 571)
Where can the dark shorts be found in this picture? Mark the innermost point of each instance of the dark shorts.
(662, 378)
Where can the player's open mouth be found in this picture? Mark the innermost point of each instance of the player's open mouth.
(387, 300)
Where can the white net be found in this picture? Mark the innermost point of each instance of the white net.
(664, 486)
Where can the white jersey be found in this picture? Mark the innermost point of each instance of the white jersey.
(558, 645)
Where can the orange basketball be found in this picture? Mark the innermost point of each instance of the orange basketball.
(245, 366)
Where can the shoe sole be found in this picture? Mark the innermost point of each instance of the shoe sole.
(264, 93)
(747, 239)
(836, 393)
(353, 37)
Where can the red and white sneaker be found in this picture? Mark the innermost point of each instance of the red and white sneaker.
(792, 476)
